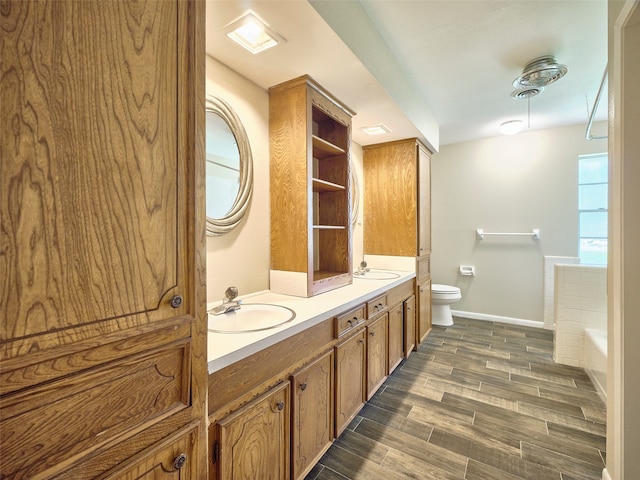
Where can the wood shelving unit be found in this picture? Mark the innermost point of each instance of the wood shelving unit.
(310, 192)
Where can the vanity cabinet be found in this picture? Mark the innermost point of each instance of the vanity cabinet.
(410, 330)
(351, 364)
(397, 199)
(310, 141)
(253, 442)
(312, 417)
(102, 291)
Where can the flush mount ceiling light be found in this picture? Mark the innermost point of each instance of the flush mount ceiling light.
(378, 129)
(252, 33)
(540, 72)
(511, 127)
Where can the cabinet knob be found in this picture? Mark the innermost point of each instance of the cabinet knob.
(176, 301)
(179, 461)
(303, 386)
(372, 333)
(361, 342)
(281, 405)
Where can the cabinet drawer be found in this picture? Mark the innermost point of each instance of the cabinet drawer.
(347, 321)
(376, 306)
(86, 410)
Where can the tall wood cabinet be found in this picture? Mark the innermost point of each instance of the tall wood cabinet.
(397, 206)
(310, 140)
(102, 258)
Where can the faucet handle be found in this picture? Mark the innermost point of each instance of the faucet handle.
(231, 293)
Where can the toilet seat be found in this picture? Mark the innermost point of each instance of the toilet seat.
(446, 289)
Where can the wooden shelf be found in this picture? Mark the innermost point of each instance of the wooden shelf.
(324, 149)
(329, 227)
(324, 186)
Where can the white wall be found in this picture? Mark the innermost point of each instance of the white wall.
(241, 257)
(506, 184)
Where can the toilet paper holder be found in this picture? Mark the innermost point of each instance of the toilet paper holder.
(467, 270)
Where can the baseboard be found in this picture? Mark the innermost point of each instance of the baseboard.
(605, 475)
(497, 318)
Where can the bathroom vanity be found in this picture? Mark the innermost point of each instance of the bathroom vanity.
(279, 397)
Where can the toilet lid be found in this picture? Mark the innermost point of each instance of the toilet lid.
(439, 288)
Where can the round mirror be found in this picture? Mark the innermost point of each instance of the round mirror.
(229, 168)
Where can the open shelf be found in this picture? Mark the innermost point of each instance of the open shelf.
(322, 148)
(324, 186)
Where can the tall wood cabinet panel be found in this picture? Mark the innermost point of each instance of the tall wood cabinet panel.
(377, 354)
(310, 140)
(102, 298)
(424, 310)
(396, 336)
(312, 417)
(397, 202)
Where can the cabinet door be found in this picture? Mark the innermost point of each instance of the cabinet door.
(254, 441)
(424, 310)
(103, 244)
(312, 414)
(350, 379)
(396, 336)
(409, 307)
(424, 202)
(376, 354)
(171, 460)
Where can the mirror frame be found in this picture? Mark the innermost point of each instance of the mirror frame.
(220, 226)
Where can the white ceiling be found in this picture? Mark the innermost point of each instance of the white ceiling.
(417, 64)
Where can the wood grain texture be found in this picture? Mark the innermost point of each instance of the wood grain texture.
(390, 199)
(77, 249)
(424, 201)
(254, 441)
(350, 367)
(377, 355)
(396, 337)
(312, 414)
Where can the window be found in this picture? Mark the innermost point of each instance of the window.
(593, 187)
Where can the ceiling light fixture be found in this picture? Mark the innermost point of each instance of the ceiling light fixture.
(511, 127)
(378, 129)
(252, 33)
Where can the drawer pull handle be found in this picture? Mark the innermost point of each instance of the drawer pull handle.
(303, 386)
(179, 461)
(281, 405)
(176, 301)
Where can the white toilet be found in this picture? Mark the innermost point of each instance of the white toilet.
(441, 297)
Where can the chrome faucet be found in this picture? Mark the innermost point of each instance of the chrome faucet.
(229, 303)
(362, 269)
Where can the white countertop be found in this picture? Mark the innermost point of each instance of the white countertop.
(224, 349)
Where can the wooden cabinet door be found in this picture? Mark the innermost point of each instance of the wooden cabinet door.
(424, 202)
(409, 307)
(396, 336)
(312, 414)
(254, 441)
(424, 310)
(376, 354)
(350, 379)
(102, 208)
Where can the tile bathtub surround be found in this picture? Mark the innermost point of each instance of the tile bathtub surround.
(549, 286)
(479, 400)
(580, 303)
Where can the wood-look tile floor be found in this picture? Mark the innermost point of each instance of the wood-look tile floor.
(478, 401)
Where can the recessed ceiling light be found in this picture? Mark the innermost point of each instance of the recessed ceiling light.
(511, 127)
(252, 33)
(378, 129)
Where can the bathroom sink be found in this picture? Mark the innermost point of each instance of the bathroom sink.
(251, 317)
(377, 275)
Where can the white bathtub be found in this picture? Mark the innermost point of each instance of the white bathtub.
(595, 358)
